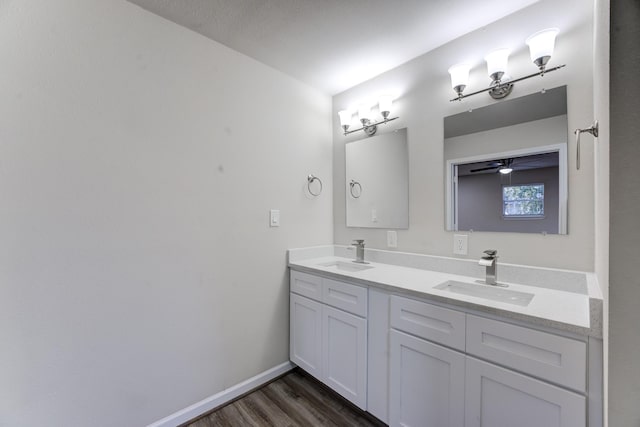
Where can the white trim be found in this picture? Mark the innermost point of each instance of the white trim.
(218, 399)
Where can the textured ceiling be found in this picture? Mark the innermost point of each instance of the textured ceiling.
(333, 44)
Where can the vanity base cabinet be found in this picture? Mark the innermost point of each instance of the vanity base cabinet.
(415, 363)
(427, 383)
(344, 354)
(305, 329)
(328, 333)
(498, 397)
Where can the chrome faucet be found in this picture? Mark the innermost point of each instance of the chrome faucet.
(359, 244)
(490, 261)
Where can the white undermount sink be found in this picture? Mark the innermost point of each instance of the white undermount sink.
(493, 293)
(345, 266)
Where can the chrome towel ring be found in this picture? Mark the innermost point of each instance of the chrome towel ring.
(355, 193)
(310, 180)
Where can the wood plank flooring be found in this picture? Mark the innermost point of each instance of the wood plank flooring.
(293, 400)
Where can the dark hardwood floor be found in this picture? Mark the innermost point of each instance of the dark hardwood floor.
(293, 400)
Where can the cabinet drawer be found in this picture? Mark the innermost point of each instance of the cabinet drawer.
(428, 321)
(347, 297)
(557, 359)
(306, 285)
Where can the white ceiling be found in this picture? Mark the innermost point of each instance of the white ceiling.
(333, 45)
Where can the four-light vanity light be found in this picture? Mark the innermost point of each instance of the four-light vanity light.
(364, 115)
(541, 46)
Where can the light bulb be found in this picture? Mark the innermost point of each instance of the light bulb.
(459, 77)
(384, 104)
(497, 61)
(541, 45)
(505, 171)
(345, 119)
(364, 113)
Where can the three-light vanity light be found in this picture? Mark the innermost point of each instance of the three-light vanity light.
(364, 116)
(541, 45)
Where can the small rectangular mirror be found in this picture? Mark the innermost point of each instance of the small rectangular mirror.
(506, 166)
(377, 184)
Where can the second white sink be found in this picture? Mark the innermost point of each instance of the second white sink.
(488, 292)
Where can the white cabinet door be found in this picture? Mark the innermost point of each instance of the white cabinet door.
(306, 334)
(497, 397)
(426, 383)
(344, 354)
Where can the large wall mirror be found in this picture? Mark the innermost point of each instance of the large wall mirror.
(506, 166)
(377, 184)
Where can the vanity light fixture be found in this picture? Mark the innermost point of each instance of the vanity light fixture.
(541, 45)
(364, 116)
(497, 62)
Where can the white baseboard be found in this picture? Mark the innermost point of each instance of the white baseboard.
(223, 397)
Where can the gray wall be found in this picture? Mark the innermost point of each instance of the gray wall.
(624, 276)
(138, 164)
(480, 201)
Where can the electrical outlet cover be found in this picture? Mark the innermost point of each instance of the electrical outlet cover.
(460, 244)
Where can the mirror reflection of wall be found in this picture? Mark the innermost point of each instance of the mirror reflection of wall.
(506, 166)
(523, 200)
(377, 181)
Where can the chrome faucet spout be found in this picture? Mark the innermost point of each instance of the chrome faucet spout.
(490, 261)
(359, 244)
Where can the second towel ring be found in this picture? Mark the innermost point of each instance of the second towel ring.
(310, 179)
(352, 185)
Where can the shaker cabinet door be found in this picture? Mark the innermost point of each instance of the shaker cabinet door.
(426, 383)
(497, 397)
(344, 348)
(306, 334)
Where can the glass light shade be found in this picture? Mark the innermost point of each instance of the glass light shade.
(364, 112)
(345, 118)
(384, 104)
(459, 76)
(505, 171)
(497, 63)
(541, 45)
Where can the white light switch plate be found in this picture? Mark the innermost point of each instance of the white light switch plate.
(274, 218)
(460, 244)
(392, 239)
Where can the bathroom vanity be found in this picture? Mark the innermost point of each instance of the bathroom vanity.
(418, 341)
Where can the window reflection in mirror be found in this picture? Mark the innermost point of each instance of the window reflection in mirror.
(377, 181)
(506, 166)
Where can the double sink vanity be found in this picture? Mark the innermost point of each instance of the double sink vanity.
(420, 340)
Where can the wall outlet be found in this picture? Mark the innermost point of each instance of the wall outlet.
(274, 218)
(374, 215)
(392, 239)
(460, 244)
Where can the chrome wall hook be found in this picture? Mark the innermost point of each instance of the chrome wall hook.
(593, 130)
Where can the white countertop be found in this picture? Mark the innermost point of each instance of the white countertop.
(554, 308)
